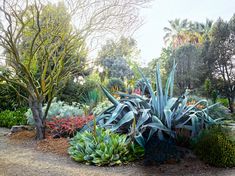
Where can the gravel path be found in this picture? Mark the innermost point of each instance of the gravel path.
(23, 160)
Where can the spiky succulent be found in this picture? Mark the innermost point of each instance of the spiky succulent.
(161, 114)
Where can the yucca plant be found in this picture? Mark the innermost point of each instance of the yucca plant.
(161, 114)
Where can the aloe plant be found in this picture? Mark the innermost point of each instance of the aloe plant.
(162, 113)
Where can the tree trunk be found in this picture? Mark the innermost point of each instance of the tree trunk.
(36, 108)
(230, 101)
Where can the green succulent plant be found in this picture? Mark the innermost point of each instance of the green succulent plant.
(103, 148)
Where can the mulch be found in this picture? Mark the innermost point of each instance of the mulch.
(58, 146)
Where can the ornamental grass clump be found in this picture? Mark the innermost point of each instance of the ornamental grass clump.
(103, 148)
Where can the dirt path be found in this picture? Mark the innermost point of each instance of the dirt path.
(23, 160)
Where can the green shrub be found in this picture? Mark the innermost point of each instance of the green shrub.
(9, 99)
(216, 147)
(223, 101)
(10, 118)
(58, 109)
(75, 92)
(104, 148)
(115, 85)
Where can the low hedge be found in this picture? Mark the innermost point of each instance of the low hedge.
(10, 118)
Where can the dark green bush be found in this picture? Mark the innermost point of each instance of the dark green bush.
(216, 147)
(104, 148)
(75, 92)
(9, 99)
(115, 85)
(10, 118)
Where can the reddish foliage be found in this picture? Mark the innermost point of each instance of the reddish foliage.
(64, 127)
(137, 91)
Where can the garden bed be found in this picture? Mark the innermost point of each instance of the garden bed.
(21, 154)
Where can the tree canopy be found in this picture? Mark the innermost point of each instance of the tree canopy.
(44, 45)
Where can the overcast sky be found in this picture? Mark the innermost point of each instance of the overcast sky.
(150, 35)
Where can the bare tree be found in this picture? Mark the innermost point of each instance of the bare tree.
(42, 50)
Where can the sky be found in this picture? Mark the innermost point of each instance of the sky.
(150, 36)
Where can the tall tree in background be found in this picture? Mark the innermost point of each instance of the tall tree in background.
(189, 68)
(222, 56)
(175, 33)
(117, 57)
(183, 32)
(43, 48)
(100, 20)
(203, 28)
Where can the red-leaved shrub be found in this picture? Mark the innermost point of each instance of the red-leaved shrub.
(66, 127)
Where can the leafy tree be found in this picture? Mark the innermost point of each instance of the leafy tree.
(41, 53)
(220, 57)
(43, 49)
(118, 57)
(116, 67)
(190, 67)
(124, 47)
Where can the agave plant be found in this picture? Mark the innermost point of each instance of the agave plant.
(105, 148)
(161, 114)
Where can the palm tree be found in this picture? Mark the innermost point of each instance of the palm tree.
(203, 28)
(175, 33)
(181, 32)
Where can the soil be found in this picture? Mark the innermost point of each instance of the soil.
(21, 155)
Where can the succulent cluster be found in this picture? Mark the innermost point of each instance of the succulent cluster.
(103, 148)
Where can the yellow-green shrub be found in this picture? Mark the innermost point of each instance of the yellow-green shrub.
(215, 147)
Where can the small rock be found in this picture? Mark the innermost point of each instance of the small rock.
(18, 128)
